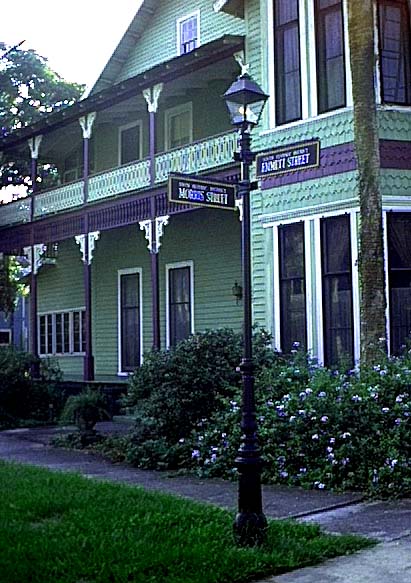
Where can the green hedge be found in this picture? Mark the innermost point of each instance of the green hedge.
(23, 398)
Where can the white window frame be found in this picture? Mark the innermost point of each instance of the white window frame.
(170, 266)
(308, 65)
(123, 128)
(387, 209)
(313, 270)
(192, 15)
(308, 283)
(173, 112)
(53, 315)
(8, 331)
(120, 273)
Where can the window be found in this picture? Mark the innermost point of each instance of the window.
(337, 290)
(188, 33)
(129, 320)
(73, 166)
(180, 322)
(395, 47)
(292, 286)
(287, 76)
(399, 276)
(62, 332)
(330, 54)
(130, 143)
(5, 337)
(179, 126)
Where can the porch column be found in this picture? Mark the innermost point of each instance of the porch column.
(154, 230)
(151, 95)
(87, 244)
(86, 124)
(34, 145)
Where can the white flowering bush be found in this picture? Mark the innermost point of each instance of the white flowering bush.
(317, 428)
(321, 429)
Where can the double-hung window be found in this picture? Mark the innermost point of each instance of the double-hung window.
(287, 61)
(399, 275)
(188, 33)
(178, 126)
(292, 286)
(129, 143)
(180, 321)
(308, 68)
(129, 284)
(329, 28)
(395, 51)
(337, 290)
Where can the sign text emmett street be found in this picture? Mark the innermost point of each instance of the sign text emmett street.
(288, 159)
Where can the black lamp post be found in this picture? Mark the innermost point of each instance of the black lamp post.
(245, 101)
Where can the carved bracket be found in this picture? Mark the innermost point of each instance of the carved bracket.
(86, 123)
(240, 58)
(239, 205)
(34, 254)
(153, 235)
(151, 95)
(34, 145)
(81, 241)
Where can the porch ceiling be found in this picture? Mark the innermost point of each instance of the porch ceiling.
(175, 70)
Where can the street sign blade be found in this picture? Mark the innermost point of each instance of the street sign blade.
(197, 191)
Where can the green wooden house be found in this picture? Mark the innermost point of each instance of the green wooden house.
(118, 268)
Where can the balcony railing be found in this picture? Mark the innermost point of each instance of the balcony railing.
(196, 157)
(15, 212)
(59, 199)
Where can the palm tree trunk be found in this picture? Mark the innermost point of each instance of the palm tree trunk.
(371, 256)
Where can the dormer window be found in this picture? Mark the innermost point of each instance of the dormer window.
(188, 33)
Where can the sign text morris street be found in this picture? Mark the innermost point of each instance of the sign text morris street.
(288, 159)
(186, 189)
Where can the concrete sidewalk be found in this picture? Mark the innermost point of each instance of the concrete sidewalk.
(388, 522)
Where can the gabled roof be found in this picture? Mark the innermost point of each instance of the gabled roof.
(179, 66)
(126, 44)
(137, 26)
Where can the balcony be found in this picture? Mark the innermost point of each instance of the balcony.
(195, 158)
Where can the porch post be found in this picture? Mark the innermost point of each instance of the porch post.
(151, 96)
(34, 145)
(154, 230)
(86, 124)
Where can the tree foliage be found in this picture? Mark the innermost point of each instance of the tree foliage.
(29, 89)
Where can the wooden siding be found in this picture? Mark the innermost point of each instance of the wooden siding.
(61, 287)
(159, 42)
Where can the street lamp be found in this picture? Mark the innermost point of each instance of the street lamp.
(245, 101)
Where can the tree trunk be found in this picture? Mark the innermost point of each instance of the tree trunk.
(371, 256)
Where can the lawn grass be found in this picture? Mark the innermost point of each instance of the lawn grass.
(63, 528)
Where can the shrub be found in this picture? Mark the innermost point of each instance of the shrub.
(324, 429)
(22, 397)
(179, 387)
(317, 428)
